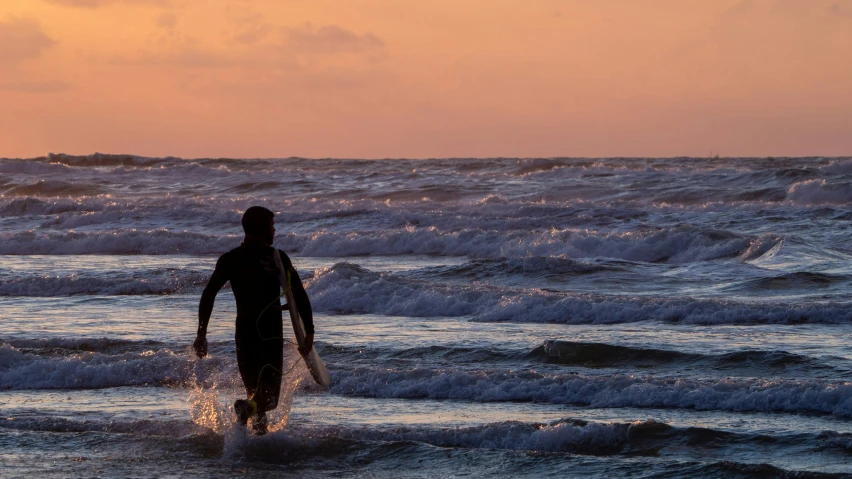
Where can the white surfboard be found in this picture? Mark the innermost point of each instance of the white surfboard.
(312, 360)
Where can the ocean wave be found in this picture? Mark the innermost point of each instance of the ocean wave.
(740, 395)
(835, 440)
(775, 363)
(762, 247)
(102, 159)
(562, 436)
(535, 165)
(575, 436)
(536, 267)
(655, 184)
(75, 345)
(54, 188)
(348, 288)
(815, 192)
(571, 436)
(31, 167)
(160, 281)
(92, 363)
(33, 206)
(677, 245)
(141, 427)
(92, 370)
(592, 354)
(788, 281)
(152, 242)
(565, 436)
(455, 355)
(839, 167)
(160, 367)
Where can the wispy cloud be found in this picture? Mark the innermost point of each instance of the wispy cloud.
(35, 86)
(308, 38)
(22, 39)
(841, 10)
(101, 3)
(167, 20)
(183, 52)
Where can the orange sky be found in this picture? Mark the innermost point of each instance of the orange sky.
(427, 78)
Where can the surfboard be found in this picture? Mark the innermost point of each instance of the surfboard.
(315, 364)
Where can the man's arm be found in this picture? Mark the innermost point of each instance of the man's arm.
(205, 306)
(303, 303)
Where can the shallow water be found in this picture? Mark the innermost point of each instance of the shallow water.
(509, 317)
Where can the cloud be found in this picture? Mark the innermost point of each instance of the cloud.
(22, 39)
(182, 52)
(251, 26)
(842, 11)
(167, 20)
(101, 3)
(35, 86)
(308, 38)
(80, 3)
(253, 34)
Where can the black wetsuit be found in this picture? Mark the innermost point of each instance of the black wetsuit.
(259, 333)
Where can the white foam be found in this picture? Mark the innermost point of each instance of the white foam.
(816, 192)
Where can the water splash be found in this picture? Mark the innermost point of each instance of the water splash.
(212, 407)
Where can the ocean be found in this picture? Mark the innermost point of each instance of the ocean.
(620, 317)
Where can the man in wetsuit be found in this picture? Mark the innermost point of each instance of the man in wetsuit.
(259, 335)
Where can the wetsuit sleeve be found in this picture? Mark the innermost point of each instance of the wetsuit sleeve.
(303, 303)
(220, 276)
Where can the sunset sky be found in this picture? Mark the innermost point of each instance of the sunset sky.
(436, 78)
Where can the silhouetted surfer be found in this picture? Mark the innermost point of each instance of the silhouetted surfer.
(253, 274)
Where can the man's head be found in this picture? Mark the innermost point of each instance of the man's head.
(259, 222)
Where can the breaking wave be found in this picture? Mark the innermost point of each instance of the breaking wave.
(562, 436)
(530, 267)
(163, 281)
(54, 188)
(820, 192)
(153, 242)
(752, 395)
(349, 288)
(678, 245)
(592, 354)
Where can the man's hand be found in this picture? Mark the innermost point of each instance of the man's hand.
(200, 346)
(309, 344)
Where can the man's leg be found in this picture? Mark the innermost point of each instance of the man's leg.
(268, 389)
(250, 365)
(260, 365)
